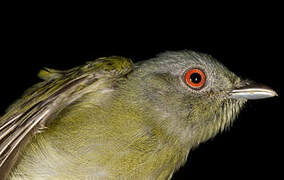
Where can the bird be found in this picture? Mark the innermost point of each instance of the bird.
(111, 118)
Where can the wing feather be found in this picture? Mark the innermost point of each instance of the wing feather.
(39, 104)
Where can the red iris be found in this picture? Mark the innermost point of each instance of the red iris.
(195, 78)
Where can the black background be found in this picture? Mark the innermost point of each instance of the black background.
(248, 39)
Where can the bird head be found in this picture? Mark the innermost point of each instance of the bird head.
(190, 95)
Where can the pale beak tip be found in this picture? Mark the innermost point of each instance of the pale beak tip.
(253, 91)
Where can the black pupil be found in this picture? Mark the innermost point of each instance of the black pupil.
(195, 78)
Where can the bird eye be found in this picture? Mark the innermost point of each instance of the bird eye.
(195, 78)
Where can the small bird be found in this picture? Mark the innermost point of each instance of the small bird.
(114, 119)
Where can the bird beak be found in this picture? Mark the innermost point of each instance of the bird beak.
(252, 91)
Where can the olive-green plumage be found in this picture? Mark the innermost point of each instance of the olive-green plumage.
(112, 119)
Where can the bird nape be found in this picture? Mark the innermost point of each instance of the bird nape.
(112, 119)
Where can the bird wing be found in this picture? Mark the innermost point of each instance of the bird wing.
(43, 101)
